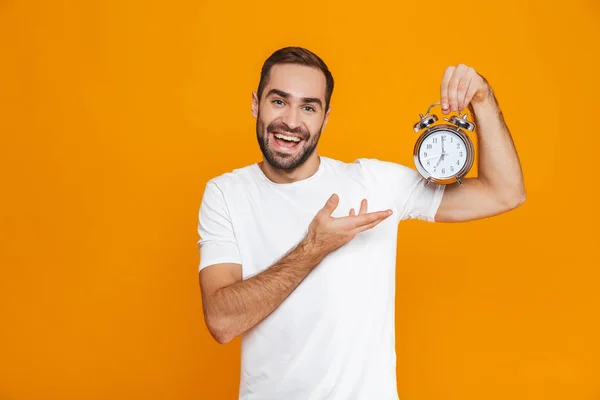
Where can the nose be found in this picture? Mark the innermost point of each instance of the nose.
(291, 118)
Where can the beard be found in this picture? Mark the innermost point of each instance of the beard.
(283, 161)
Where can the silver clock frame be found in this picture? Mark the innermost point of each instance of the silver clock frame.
(458, 176)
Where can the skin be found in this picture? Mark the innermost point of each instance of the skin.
(292, 103)
(499, 187)
(232, 305)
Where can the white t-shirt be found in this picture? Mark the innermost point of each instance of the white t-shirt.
(333, 337)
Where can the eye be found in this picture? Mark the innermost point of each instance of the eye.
(309, 108)
(279, 102)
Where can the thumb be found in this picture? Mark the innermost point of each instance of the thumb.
(331, 205)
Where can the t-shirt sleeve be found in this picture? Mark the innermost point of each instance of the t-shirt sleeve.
(413, 200)
(217, 242)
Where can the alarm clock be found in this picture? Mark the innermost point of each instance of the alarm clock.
(443, 153)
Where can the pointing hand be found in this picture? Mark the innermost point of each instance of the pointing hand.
(328, 233)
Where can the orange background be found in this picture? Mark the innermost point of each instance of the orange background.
(114, 114)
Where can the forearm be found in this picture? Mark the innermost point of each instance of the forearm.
(234, 309)
(499, 166)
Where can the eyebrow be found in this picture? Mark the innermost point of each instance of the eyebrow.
(285, 95)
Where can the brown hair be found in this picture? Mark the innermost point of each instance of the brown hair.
(296, 55)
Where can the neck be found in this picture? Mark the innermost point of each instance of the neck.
(304, 171)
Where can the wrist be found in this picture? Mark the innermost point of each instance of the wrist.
(312, 249)
(484, 102)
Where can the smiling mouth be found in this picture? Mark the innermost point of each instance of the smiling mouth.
(286, 141)
(287, 136)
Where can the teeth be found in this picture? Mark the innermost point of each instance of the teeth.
(284, 137)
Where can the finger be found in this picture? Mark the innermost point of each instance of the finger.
(463, 88)
(330, 206)
(363, 207)
(444, 89)
(352, 212)
(367, 227)
(457, 76)
(476, 83)
(365, 219)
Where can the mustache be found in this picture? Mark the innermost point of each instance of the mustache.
(300, 131)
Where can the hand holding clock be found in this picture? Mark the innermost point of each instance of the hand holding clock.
(462, 85)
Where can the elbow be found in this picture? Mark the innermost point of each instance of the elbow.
(515, 199)
(220, 337)
(223, 339)
(522, 198)
(218, 330)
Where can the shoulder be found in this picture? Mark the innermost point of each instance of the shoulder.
(233, 179)
(221, 190)
(378, 169)
(374, 169)
(359, 165)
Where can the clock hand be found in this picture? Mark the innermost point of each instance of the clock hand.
(441, 158)
(429, 158)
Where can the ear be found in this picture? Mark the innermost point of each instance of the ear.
(254, 105)
(326, 118)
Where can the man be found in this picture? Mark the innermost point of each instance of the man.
(288, 263)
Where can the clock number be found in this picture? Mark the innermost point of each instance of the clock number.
(458, 145)
(460, 154)
(443, 137)
(451, 139)
(428, 162)
(429, 146)
(452, 169)
(457, 162)
(443, 170)
(434, 140)
(425, 154)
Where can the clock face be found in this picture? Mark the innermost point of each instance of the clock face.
(443, 154)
